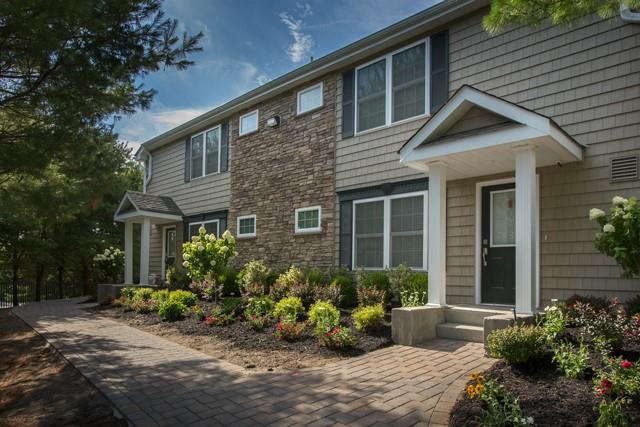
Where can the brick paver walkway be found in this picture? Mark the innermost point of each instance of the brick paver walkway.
(153, 381)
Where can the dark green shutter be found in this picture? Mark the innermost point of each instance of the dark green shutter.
(348, 105)
(346, 229)
(439, 87)
(224, 147)
(187, 160)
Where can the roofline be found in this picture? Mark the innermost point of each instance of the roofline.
(426, 20)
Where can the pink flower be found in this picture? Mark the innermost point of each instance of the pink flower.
(626, 364)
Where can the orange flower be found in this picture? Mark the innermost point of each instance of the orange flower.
(471, 391)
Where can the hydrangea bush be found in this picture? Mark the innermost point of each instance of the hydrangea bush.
(109, 263)
(207, 256)
(620, 233)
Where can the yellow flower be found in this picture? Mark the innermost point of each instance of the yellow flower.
(479, 389)
(474, 376)
(480, 379)
(471, 391)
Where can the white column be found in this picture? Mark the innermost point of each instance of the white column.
(144, 251)
(526, 233)
(437, 233)
(128, 252)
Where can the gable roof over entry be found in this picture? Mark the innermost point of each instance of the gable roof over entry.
(477, 134)
(135, 206)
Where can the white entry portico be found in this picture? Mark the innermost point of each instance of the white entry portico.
(476, 134)
(144, 209)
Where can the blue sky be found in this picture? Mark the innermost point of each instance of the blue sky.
(249, 42)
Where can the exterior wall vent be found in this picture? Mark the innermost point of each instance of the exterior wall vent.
(624, 168)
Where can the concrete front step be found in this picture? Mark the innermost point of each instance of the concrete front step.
(460, 331)
(470, 315)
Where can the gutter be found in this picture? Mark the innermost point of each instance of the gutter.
(423, 21)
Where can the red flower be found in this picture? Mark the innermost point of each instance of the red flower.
(604, 387)
(626, 364)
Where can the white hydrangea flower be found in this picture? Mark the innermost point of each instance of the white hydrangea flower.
(235, 253)
(202, 230)
(106, 251)
(185, 264)
(186, 257)
(224, 249)
(608, 228)
(618, 200)
(228, 236)
(213, 262)
(596, 213)
(200, 248)
(194, 238)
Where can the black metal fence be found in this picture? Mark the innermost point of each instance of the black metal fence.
(27, 292)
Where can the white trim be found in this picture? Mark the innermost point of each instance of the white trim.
(145, 238)
(255, 226)
(146, 214)
(388, 99)
(201, 224)
(217, 127)
(148, 172)
(491, 244)
(386, 236)
(309, 89)
(478, 231)
(164, 249)
(240, 131)
(317, 229)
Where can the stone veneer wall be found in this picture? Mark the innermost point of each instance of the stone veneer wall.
(276, 170)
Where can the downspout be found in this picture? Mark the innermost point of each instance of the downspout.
(148, 168)
(629, 15)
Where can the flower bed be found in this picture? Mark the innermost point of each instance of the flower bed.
(578, 366)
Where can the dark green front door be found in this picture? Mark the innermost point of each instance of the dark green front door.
(498, 244)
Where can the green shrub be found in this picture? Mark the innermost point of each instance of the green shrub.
(324, 312)
(610, 413)
(259, 306)
(186, 298)
(554, 321)
(330, 293)
(289, 330)
(143, 294)
(572, 361)
(619, 378)
(199, 313)
(348, 294)
(598, 303)
(207, 255)
(374, 280)
(177, 278)
(305, 291)
(160, 295)
(255, 274)
(230, 287)
(128, 292)
(632, 306)
(144, 306)
(370, 296)
(171, 310)
(288, 308)
(410, 286)
(232, 306)
(316, 277)
(336, 337)
(219, 318)
(284, 284)
(517, 344)
(257, 322)
(368, 318)
(502, 409)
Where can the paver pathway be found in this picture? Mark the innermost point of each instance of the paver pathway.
(153, 381)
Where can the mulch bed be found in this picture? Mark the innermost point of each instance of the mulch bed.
(39, 388)
(544, 393)
(251, 349)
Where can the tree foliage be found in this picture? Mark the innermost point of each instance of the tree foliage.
(506, 13)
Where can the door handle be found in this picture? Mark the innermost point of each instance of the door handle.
(484, 256)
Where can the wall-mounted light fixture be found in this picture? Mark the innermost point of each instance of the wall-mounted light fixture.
(273, 122)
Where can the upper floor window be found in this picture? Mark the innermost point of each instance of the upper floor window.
(205, 153)
(392, 88)
(249, 123)
(310, 98)
(308, 220)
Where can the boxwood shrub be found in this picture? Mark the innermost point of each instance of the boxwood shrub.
(517, 344)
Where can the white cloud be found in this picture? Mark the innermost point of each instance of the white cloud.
(302, 43)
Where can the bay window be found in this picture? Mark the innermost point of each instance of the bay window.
(389, 231)
(393, 88)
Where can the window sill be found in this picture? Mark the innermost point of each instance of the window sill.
(247, 134)
(390, 125)
(208, 175)
(307, 233)
(246, 237)
(313, 110)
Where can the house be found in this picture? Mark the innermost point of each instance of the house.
(430, 142)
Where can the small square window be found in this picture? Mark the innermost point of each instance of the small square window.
(308, 220)
(249, 123)
(310, 98)
(247, 226)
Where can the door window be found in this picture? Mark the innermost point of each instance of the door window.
(503, 218)
(170, 250)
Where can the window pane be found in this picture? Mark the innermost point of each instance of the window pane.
(310, 99)
(249, 123)
(408, 83)
(371, 95)
(213, 141)
(170, 250)
(212, 228)
(503, 218)
(193, 230)
(308, 219)
(407, 219)
(369, 234)
(247, 226)
(196, 156)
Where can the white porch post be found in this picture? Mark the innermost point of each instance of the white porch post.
(128, 252)
(526, 232)
(437, 233)
(144, 251)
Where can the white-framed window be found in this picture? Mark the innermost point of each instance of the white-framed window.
(212, 226)
(246, 226)
(391, 230)
(392, 88)
(248, 123)
(205, 153)
(308, 220)
(310, 98)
